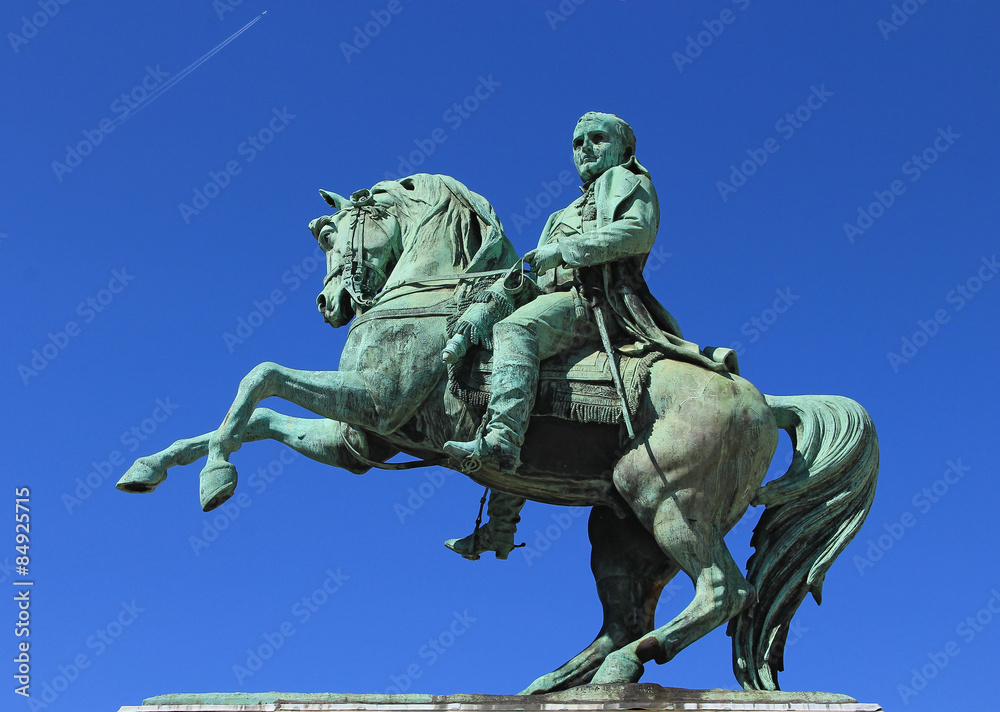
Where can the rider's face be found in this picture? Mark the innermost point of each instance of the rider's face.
(596, 148)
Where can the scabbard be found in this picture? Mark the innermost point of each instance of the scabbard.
(613, 364)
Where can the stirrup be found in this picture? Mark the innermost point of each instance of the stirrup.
(468, 460)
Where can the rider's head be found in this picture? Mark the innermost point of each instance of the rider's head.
(601, 141)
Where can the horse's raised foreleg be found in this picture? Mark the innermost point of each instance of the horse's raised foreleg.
(631, 571)
(317, 438)
(148, 472)
(344, 396)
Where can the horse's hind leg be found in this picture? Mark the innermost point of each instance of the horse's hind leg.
(317, 438)
(721, 591)
(631, 571)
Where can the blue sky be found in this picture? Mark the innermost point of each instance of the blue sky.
(837, 161)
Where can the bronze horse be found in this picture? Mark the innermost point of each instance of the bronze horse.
(662, 502)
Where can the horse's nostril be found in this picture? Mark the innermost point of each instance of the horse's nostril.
(321, 301)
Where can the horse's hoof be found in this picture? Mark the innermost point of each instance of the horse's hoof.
(619, 666)
(538, 687)
(650, 648)
(552, 682)
(141, 477)
(217, 484)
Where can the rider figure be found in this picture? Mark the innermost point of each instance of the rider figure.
(615, 219)
(591, 251)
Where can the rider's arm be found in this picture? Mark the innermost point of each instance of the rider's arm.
(630, 233)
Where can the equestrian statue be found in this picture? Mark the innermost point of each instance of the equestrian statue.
(565, 383)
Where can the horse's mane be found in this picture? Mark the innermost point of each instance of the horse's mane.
(436, 211)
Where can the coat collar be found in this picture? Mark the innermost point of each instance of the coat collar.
(611, 188)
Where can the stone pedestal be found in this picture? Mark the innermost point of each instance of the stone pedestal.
(588, 698)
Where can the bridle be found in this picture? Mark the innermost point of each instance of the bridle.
(357, 267)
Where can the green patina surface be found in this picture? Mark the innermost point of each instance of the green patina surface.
(666, 483)
(612, 696)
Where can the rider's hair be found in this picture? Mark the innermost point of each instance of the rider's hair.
(622, 129)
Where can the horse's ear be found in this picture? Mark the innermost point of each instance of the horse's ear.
(337, 201)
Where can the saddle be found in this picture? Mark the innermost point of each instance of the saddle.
(575, 385)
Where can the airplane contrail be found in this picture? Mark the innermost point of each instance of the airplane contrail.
(187, 70)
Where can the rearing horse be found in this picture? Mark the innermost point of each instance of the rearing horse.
(662, 502)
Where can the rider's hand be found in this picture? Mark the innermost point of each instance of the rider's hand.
(544, 258)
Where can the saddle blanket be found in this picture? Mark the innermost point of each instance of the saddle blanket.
(576, 386)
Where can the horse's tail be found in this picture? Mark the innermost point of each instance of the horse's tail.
(811, 513)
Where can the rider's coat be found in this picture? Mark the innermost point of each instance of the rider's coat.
(608, 252)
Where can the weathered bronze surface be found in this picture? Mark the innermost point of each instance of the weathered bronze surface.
(645, 696)
(403, 257)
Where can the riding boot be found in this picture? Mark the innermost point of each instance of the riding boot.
(512, 396)
(497, 534)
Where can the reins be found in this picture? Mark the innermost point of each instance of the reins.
(391, 465)
(430, 310)
(355, 260)
(454, 277)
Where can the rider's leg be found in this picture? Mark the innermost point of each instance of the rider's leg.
(497, 534)
(549, 324)
(542, 328)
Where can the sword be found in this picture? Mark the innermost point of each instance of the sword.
(613, 363)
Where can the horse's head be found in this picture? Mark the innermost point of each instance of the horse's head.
(362, 243)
